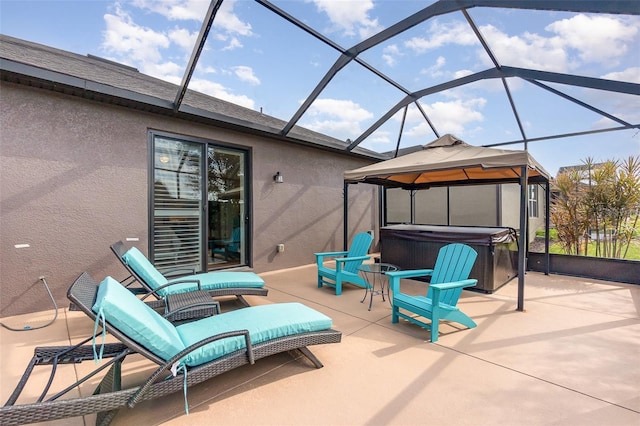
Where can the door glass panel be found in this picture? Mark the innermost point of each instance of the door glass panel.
(226, 207)
(177, 205)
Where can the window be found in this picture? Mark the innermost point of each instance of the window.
(533, 201)
(198, 204)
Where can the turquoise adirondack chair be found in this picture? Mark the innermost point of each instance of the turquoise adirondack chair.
(448, 277)
(230, 249)
(347, 264)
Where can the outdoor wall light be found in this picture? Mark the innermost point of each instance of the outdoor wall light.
(277, 178)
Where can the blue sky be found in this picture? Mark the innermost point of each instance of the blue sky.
(258, 60)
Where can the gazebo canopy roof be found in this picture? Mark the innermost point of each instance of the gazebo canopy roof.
(449, 161)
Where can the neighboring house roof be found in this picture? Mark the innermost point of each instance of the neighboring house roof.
(106, 81)
(579, 168)
(404, 151)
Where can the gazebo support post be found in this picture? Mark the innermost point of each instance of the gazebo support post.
(345, 217)
(522, 249)
(547, 220)
(412, 195)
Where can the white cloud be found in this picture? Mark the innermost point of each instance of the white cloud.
(350, 16)
(219, 91)
(527, 51)
(334, 127)
(448, 117)
(195, 10)
(631, 75)
(168, 71)
(231, 41)
(344, 109)
(130, 41)
(335, 116)
(598, 38)
(234, 43)
(380, 137)
(183, 38)
(227, 20)
(436, 69)
(461, 73)
(389, 60)
(568, 44)
(420, 130)
(144, 47)
(392, 49)
(390, 53)
(439, 34)
(625, 107)
(246, 74)
(175, 9)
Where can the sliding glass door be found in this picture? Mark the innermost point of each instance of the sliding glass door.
(198, 204)
(226, 206)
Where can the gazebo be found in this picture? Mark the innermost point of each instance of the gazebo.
(449, 161)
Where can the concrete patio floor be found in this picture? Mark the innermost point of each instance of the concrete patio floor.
(572, 358)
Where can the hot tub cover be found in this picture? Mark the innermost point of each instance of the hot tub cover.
(477, 235)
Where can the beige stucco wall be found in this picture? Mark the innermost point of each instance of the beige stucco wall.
(511, 209)
(73, 180)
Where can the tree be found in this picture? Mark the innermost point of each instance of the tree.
(567, 210)
(601, 200)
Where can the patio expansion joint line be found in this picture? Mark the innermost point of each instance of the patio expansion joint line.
(548, 300)
(537, 378)
(230, 391)
(365, 326)
(611, 314)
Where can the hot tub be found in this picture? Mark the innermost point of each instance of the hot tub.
(416, 247)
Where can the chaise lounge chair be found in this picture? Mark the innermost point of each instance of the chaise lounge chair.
(222, 283)
(200, 350)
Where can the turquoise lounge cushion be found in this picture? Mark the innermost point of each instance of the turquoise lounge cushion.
(215, 281)
(208, 280)
(134, 318)
(141, 265)
(264, 322)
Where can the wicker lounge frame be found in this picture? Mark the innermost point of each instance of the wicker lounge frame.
(108, 397)
(119, 250)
